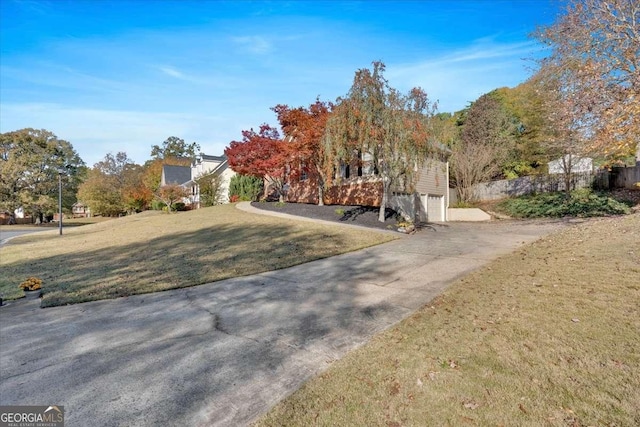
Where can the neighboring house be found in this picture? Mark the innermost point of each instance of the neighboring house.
(18, 217)
(79, 210)
(359, 185)
(187, 177)
(206, 165)
(578, 164)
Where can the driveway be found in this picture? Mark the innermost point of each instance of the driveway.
(224, 353)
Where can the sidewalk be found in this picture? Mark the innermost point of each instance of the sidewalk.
(224, 353)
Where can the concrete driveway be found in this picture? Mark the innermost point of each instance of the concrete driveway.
(224, 353)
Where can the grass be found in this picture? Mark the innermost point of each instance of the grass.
(155, 251)
(546, 336)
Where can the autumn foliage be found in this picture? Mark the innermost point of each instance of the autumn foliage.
(262, 154)
(596, 52)
(304, 129)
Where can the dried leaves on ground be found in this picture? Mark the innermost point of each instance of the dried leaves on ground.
(549, 335)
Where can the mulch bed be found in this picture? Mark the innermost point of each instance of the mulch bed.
(365, 216)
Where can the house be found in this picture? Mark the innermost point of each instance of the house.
(206, 165)
(188, 176)
(17, 217)
(578, 164)
(172, 174)
(80, 210)
(360, 185)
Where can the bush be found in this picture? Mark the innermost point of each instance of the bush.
(579, 203)
(31, 284)
(245, 188)
(158, 205)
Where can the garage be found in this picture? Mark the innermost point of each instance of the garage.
(435, 207)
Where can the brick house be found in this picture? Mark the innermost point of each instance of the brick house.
(359, 185)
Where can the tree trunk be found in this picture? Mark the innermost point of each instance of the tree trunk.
(385, 199)
(320, 192)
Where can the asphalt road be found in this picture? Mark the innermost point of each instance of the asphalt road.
(224, 353)
(5, 236)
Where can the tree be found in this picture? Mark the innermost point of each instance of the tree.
(595, 48)
(527, 110)
(170, 194)
(392, 128)
(565, 136)
(30, 161)
(210, 189)
(304, 129)
(102, 194)
(175, 147)
(136, 196)
(245, 187)
(113, 186)
(262, 154)
(484, 145)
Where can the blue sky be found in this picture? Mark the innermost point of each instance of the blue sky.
(113, 76)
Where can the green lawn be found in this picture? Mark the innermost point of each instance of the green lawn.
(155, 251)
(546, 336)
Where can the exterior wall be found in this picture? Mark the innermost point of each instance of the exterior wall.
(204, 165)
(226, 175)
(433, 180)
(80, 211)
(432, 186)
(305, 191)
(364, 191)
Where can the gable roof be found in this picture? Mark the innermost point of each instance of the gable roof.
(172, 174)
(214, 158)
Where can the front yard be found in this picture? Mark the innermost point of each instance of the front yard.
(546, 336)
(155, 251)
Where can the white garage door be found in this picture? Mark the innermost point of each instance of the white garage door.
(435, 208)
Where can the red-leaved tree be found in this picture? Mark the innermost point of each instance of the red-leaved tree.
(304, 129)
(262, 154)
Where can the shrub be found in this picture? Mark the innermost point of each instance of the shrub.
(210, 190)
(31, 284)
(158, 205)
(579, 203)
(245, 188)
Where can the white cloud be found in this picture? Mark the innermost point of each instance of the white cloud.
(170, 71)
(254, 44)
